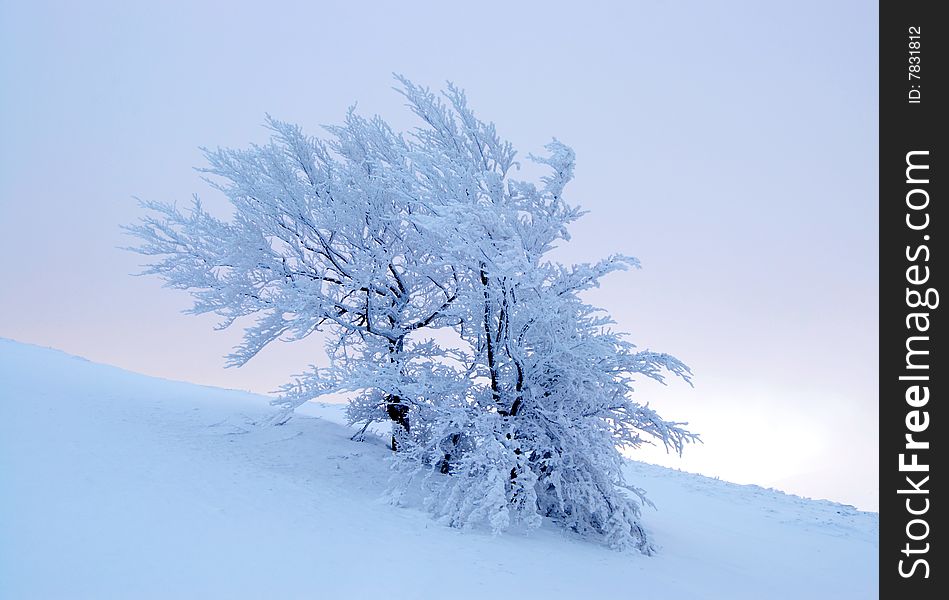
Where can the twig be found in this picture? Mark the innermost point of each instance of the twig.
(359, 433)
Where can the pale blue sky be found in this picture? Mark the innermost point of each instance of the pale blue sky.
(731, 146)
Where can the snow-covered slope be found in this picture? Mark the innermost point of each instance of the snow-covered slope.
(117, 485)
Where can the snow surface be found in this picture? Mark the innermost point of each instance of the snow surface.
(118, 485)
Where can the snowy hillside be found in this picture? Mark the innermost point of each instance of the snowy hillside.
(117, 485)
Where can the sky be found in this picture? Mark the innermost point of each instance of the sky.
(730, 146)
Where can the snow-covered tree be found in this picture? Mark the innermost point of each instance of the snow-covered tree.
(394, 243)
(538, 431)
(319, 239)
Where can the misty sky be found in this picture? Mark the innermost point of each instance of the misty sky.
(730, 146)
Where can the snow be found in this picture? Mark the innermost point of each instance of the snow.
(114, 484)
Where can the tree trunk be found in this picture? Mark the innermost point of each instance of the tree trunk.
(444, 466)
(397, 410)
(489, 337)
(399, 413)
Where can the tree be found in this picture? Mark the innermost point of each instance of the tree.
(319, 239)
(537, 432)
(388, 241)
